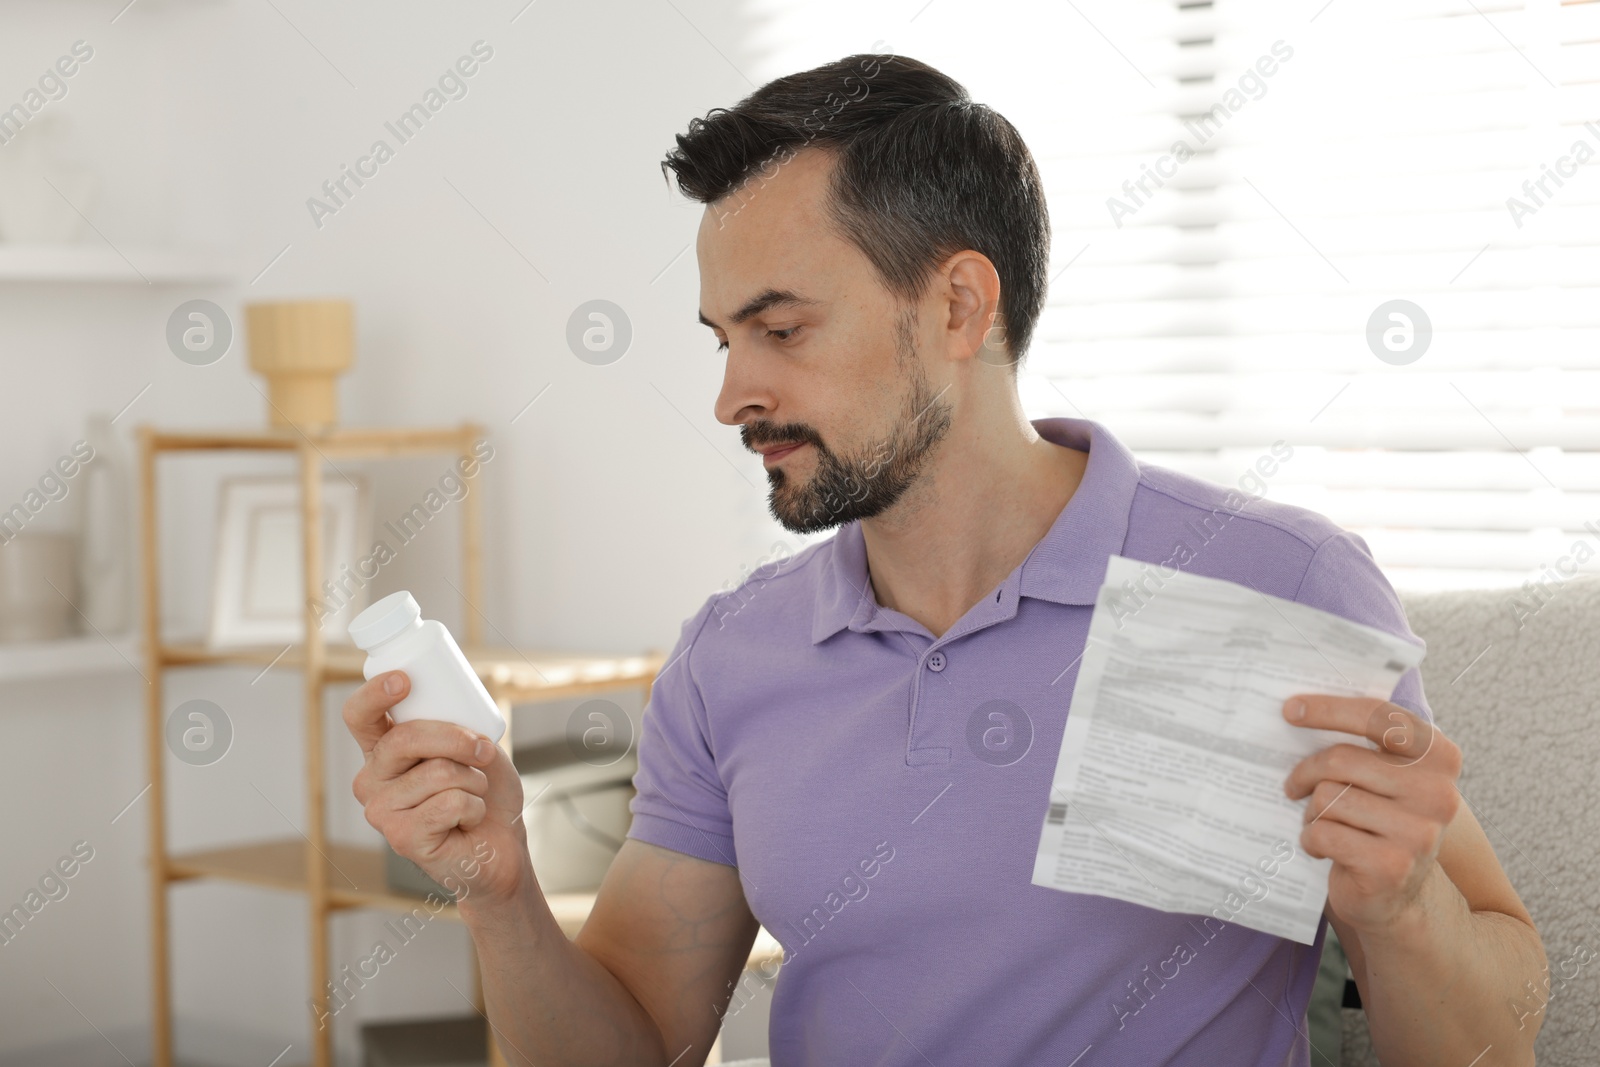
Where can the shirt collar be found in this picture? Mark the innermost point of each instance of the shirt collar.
(1067, 566)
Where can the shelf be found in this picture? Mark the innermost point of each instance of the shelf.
(68, 657)
(356, 880)
(101, 263)
(541, 675)
(342, 443)
(355, 877)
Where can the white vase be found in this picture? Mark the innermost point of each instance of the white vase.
(105, 530)
(41, 192)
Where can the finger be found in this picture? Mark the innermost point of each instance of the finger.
(1397, 827)
(1375, 863)
(1426, 795)
(1362, 810)
(1402, 733)
(501, 785)
(1408, 736)
(1352, 849)
(443, 812)
(1347, 765)
(505, 785)
(366, 713)
(409, 743)
(429, 777)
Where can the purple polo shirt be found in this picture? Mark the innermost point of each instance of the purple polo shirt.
(825, 746)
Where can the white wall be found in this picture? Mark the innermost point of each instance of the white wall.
(609, 517)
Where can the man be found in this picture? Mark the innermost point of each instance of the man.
(873, 261)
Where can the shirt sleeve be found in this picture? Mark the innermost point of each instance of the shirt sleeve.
(1344, 578)
(680, 800)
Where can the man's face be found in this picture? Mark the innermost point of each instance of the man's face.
(820, 354)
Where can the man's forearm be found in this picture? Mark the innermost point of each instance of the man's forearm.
(549, 1002)
(1447, 985)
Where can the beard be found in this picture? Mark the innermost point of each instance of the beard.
(858, 485)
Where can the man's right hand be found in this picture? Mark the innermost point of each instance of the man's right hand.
(445, 798)
(666, 941)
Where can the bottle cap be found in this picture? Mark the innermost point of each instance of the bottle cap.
(383, 619)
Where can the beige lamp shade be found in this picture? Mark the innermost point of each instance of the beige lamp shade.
(301, 347)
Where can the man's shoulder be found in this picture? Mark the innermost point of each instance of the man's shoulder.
(1236, 533)
(1229, 530)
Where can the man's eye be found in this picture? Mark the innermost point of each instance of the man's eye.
(780, 335)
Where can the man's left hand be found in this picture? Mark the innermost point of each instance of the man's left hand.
(1379, 815)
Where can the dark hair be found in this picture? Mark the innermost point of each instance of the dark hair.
(922, 172)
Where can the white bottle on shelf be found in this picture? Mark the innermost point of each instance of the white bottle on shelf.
(395, 636)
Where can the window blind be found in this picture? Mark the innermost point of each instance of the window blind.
(1240, 189)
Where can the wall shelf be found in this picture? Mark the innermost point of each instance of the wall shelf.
(69, 657)
(100, 263)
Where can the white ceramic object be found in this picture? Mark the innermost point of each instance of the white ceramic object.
(105, 565)
(44, 198)
(38, 586)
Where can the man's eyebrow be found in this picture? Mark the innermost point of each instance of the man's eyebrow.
(770, 298)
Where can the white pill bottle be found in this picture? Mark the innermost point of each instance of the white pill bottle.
(395, 636)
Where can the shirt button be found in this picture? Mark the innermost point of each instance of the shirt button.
(936, 662)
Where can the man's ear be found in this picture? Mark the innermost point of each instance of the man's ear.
(975, 326)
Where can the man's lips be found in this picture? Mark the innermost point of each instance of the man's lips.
(770, 456)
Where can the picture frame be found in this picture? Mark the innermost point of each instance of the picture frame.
(257, 583)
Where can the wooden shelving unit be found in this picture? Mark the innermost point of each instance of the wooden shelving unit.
(333, 876)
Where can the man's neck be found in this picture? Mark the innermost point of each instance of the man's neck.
(991, 495)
